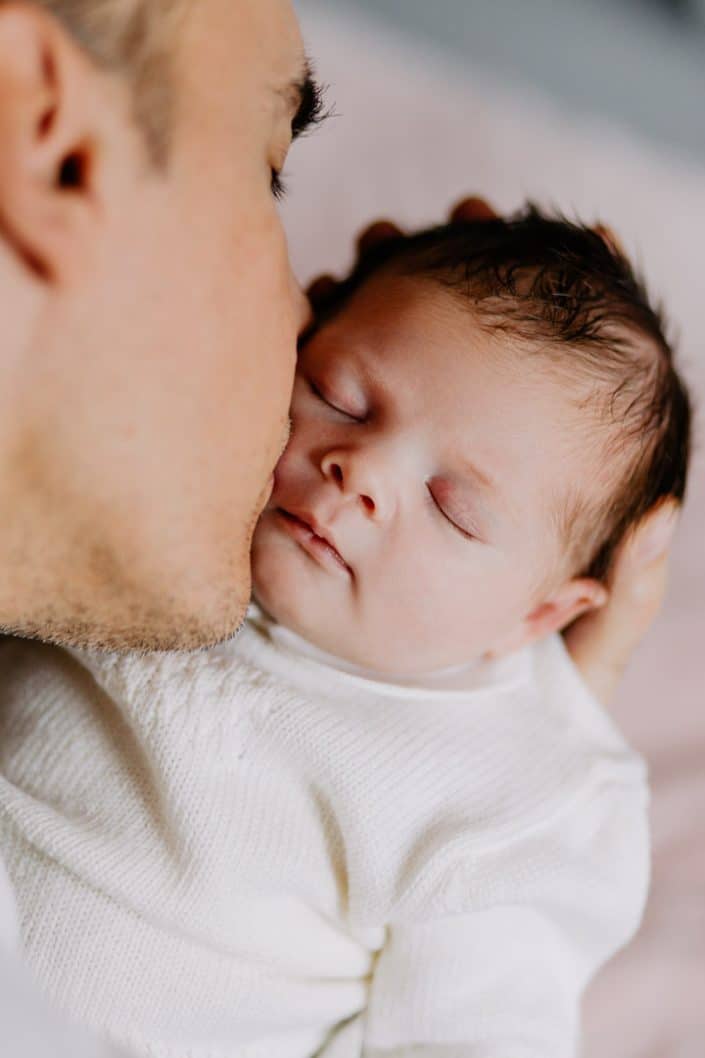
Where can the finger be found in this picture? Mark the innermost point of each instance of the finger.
(603, 642)
(322, 290)
(647, 544)
(472, 208)
(609, 237)
(380, 231)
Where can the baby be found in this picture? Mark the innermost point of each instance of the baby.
(387, 818)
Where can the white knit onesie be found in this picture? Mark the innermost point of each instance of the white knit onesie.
(250, 853)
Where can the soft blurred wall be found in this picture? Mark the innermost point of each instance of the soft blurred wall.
(641, 62)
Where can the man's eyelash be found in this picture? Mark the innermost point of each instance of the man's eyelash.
(278, 184)
(312, 109)
(463, 532)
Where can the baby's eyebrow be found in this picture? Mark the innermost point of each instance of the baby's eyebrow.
(479, 477)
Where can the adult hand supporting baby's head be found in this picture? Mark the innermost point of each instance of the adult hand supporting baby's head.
(603, 641)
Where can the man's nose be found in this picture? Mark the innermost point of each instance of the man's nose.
(302, 306)
(362, 478)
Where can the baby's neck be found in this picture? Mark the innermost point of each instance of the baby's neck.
(464, 676)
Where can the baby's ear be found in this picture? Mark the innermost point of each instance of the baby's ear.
(563, 606)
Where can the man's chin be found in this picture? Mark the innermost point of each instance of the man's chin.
(171, 624)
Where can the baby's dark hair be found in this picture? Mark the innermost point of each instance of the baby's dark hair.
(563, 291)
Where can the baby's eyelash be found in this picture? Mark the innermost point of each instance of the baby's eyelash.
(319, 396)
(463, 532)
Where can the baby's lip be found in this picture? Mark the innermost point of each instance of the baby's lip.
(311, 522)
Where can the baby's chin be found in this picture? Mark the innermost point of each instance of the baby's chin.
(285, 612)
(280, 589)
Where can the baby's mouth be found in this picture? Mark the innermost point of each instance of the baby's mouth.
(311, 535)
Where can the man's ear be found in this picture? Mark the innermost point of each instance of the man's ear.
(563, 606)
(47, 143)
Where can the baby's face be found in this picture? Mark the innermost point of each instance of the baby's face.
(433, 460)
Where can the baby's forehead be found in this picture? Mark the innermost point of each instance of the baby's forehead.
(393, 316)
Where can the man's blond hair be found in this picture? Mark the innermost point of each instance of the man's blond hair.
(136, 38)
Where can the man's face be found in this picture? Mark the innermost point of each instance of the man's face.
(154, 404)
(431, 459)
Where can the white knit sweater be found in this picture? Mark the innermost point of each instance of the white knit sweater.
(248, 853)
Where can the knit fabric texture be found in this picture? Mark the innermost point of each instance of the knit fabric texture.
(248, 853)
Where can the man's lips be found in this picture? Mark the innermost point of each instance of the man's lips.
(313, 538)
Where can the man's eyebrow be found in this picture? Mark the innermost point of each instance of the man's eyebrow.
(308, 102)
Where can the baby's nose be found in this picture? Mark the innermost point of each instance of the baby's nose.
(359, 481)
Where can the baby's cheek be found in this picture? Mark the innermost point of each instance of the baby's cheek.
(416, 608)
(441, 612)
(284, 470)
(299, 456)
